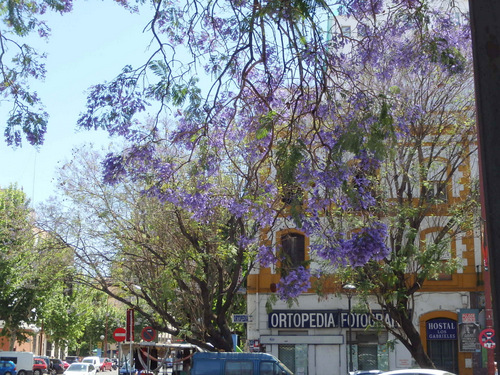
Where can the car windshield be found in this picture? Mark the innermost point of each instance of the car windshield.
(88, 360)
(77, 367)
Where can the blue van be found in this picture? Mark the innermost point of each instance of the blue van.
(237, 364)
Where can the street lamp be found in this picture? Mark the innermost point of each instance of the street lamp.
(349, 290)
(102, 338)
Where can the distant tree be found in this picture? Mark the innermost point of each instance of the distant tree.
(34, 274)
(19, 296)
(182, 275)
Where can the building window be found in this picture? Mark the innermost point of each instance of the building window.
(292, 251)
(346, 31)
(436, 191)
(435, 186)
(362, 31)
(442, 249)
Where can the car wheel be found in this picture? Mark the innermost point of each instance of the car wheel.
(22, 372)
(37, 372)
(7, 373)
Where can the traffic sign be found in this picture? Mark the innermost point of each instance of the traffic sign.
(242, 318)
(486, 338)
(119, 334)
(148, 334)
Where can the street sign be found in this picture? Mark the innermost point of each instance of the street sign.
(119, 334)
(242, 318)
(148, 334)
(486, 338)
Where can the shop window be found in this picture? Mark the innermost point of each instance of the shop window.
(367, 357)
(286, 354)
(294, 357)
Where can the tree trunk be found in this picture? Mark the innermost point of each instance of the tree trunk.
(12, 338)
(414, 343)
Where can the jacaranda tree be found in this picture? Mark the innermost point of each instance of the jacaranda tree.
(180, 272)
(305, 107)
(282, 94)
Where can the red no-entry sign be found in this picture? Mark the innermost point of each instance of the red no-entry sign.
(119, 334)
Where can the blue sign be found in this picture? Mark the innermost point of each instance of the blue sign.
(441, 329)
(325, 319)
(242, 318)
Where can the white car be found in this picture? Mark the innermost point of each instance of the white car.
(418, 371)
(79, 368)
(96, 361)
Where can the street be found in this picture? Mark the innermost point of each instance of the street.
(115, 372)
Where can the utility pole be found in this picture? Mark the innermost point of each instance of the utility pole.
(486, 49)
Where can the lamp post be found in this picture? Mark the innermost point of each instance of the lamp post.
(102, 338)
(349, 291)
(106, 337)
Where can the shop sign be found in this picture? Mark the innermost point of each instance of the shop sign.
(441, 329)
(325, 319)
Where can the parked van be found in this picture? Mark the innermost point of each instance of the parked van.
(23, 360)
(237, 364)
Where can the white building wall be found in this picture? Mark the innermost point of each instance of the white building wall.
(327, 349)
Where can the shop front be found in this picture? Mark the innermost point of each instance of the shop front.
(317, 341)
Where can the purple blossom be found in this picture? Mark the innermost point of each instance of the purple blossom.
(296, 281)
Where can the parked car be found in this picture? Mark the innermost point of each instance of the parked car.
(7, 368)
(39, 366)
(79, 368)
(418, 371)
(105, 364)
(47, 362)
(57, 366)
(94, 361)
(234, 363)
(367, 372)
(127, 370)
(65, 365)
(71, 359)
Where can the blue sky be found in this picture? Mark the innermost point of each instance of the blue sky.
(88, 46)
